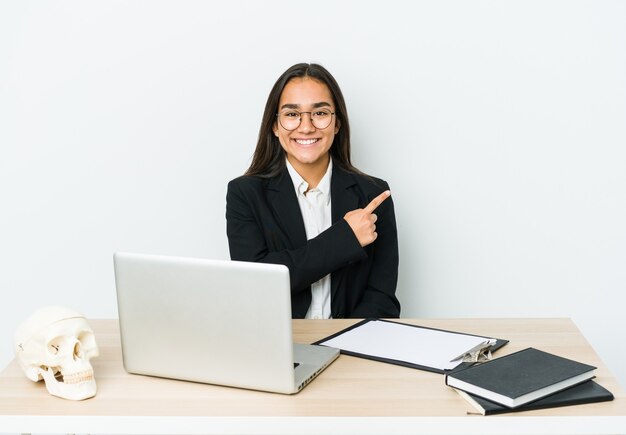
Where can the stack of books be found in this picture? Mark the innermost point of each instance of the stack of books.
(525, 380)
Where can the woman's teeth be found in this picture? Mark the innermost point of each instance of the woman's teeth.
(306, 141)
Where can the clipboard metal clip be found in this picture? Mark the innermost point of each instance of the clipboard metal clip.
(479, 353)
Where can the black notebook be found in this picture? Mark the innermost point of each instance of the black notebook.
(587, 392)
(521, 377)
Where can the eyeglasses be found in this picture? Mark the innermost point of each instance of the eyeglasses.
(291, 119)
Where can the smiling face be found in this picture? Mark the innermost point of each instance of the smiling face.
(307, 147)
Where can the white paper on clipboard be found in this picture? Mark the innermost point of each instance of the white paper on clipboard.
(402, 342)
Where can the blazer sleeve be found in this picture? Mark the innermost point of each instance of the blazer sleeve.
(379, 298)
(251, 238)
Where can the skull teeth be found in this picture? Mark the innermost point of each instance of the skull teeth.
(78, 377)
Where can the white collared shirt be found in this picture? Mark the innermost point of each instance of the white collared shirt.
(315, 206)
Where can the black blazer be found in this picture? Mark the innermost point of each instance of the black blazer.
(264, 224)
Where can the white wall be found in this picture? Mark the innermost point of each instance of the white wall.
(500, 127)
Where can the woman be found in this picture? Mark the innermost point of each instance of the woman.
(302, 204)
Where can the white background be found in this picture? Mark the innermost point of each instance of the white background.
(500, 126)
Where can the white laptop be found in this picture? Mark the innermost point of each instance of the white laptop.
(212, 321)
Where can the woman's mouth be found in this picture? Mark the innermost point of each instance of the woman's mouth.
(305, 141)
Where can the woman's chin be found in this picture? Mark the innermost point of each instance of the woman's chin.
(310, 160)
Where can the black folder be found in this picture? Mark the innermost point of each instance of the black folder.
(499, 343)
(587, 392)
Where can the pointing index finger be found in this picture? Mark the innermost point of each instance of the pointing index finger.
(377, 201)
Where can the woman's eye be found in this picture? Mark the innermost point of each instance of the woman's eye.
(321, 113)
(291, 114)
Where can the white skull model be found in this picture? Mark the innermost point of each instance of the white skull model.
(55, 344)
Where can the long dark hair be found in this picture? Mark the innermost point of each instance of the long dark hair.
(269, 157)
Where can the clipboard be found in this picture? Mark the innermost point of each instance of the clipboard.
(407, 345)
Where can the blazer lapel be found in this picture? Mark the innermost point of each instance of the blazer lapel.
(282, 197)
(343, 197)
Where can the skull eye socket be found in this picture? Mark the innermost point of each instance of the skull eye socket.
(54, 345)
(77, 350)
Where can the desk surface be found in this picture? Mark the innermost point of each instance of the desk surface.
(353, 395)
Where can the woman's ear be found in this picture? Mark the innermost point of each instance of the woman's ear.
(275, 128)
(337, 125)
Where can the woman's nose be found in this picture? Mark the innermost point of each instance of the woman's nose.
(306, 123)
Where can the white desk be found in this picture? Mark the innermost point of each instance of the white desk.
(352, 396)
